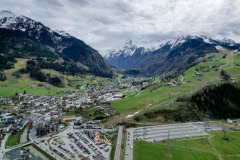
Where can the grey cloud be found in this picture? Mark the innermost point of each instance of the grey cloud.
(104, 24)
(103, 19)
(81, 2)
(49, 3)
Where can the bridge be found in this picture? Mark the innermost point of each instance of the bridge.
(18, 146)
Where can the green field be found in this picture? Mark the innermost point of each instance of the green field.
(14, 139)
(209, 148)
(156, 98)
(114, 142)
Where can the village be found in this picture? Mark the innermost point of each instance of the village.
(35, 119)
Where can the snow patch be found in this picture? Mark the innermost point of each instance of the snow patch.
(220, 48)
(179, 40)
(206, 39)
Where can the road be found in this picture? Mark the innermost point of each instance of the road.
(129, 145)
(18, 146)
(3, 144)
(119, 143)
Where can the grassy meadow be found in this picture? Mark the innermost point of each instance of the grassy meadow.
(213, 147)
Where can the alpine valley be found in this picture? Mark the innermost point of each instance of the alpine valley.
(170, 56)
(173, 99)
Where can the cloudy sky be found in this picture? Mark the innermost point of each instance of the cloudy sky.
(106, 23)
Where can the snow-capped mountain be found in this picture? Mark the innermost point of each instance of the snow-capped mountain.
(130, 47)
(126, 49)
(9, 20)
(162, 56)
(50, 43)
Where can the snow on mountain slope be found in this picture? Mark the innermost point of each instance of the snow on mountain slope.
(130, 47)
(157, 57)
(63, 33)
(177, 41)
(9, 20)
(126, 49)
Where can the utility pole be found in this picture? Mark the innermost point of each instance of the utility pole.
(225, 133)
(206, 122)
(168, 146)
(224, 129)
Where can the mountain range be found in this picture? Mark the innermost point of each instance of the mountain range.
(22, 37)
(175, 55)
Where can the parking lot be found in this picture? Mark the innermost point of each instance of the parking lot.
(77, 143)
(163, 132)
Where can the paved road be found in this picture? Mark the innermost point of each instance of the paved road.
(3, 144)
(129, 145)
(119, 143)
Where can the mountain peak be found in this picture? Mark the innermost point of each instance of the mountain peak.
(9, 20)
(5, 13)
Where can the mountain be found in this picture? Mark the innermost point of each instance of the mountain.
(173, 55)
(130, 54)
(22, 37)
